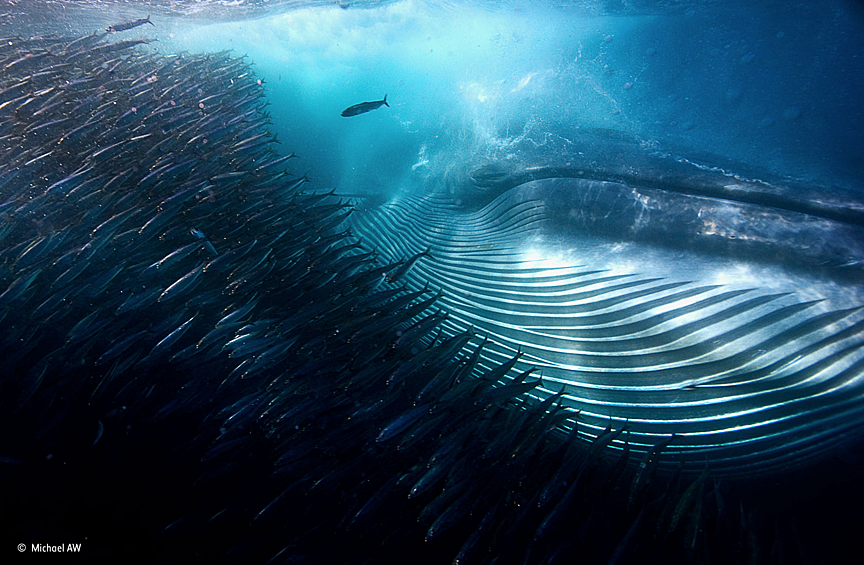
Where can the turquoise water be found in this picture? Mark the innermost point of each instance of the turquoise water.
(773, 87)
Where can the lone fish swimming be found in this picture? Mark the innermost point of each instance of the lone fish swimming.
(123, 26)
(364, 107)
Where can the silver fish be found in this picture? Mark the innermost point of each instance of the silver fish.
(364, 107)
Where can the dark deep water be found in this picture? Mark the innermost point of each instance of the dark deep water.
(656, 207)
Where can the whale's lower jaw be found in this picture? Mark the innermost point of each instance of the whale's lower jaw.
(707, 211)
(751, 367)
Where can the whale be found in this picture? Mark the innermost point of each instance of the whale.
(677, 294)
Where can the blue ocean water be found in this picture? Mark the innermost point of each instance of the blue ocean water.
(773, 85)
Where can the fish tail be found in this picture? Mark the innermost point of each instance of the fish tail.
(385, 101)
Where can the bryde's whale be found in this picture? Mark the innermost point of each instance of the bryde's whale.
(678, 297)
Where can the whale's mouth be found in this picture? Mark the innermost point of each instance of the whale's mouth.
(736, 325)
(620, 187)
(808, 235)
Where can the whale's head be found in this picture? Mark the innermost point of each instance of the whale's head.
(663, 292)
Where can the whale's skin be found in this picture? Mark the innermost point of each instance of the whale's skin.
(734, 324)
